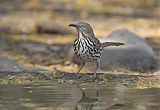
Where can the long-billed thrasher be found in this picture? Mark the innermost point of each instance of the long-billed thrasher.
(87, 47)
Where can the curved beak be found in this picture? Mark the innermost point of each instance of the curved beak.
(73, 25)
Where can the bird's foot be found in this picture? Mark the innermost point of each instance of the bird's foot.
(77, 76)
(94, 77)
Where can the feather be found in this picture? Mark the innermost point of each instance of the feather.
(106, 44)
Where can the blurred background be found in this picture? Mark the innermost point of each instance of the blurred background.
(36, 32)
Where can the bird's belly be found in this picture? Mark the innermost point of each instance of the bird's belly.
(87, 54)
(86, 57)
(86, 51)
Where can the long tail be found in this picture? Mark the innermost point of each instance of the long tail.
(106, 44)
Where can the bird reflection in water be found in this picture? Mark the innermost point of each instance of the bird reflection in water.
(89, 103)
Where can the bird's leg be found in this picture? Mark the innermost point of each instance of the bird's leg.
(81, 66)
(97, 68)
(97, 94)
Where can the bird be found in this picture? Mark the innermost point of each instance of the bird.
(87, 47)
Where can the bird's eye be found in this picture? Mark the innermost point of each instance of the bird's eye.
(83, 27)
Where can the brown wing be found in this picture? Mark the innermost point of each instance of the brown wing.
(106, 44)
(97, 43)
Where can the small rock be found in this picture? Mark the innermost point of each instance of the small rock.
(33, 47)
(14, 28)
(51, 28)
(9, 65)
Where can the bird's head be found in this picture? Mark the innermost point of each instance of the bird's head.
(84, 28)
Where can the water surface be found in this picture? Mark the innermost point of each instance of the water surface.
(77, 97)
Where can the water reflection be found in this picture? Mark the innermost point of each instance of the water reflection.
(88, 103)
(42, 96)
(114, 98)
(77, 97)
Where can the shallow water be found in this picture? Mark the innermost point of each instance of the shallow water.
(77, 97)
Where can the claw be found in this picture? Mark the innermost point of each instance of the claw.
(78, 75)
(94, 77)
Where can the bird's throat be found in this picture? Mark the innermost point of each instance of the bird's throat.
(81, 35)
